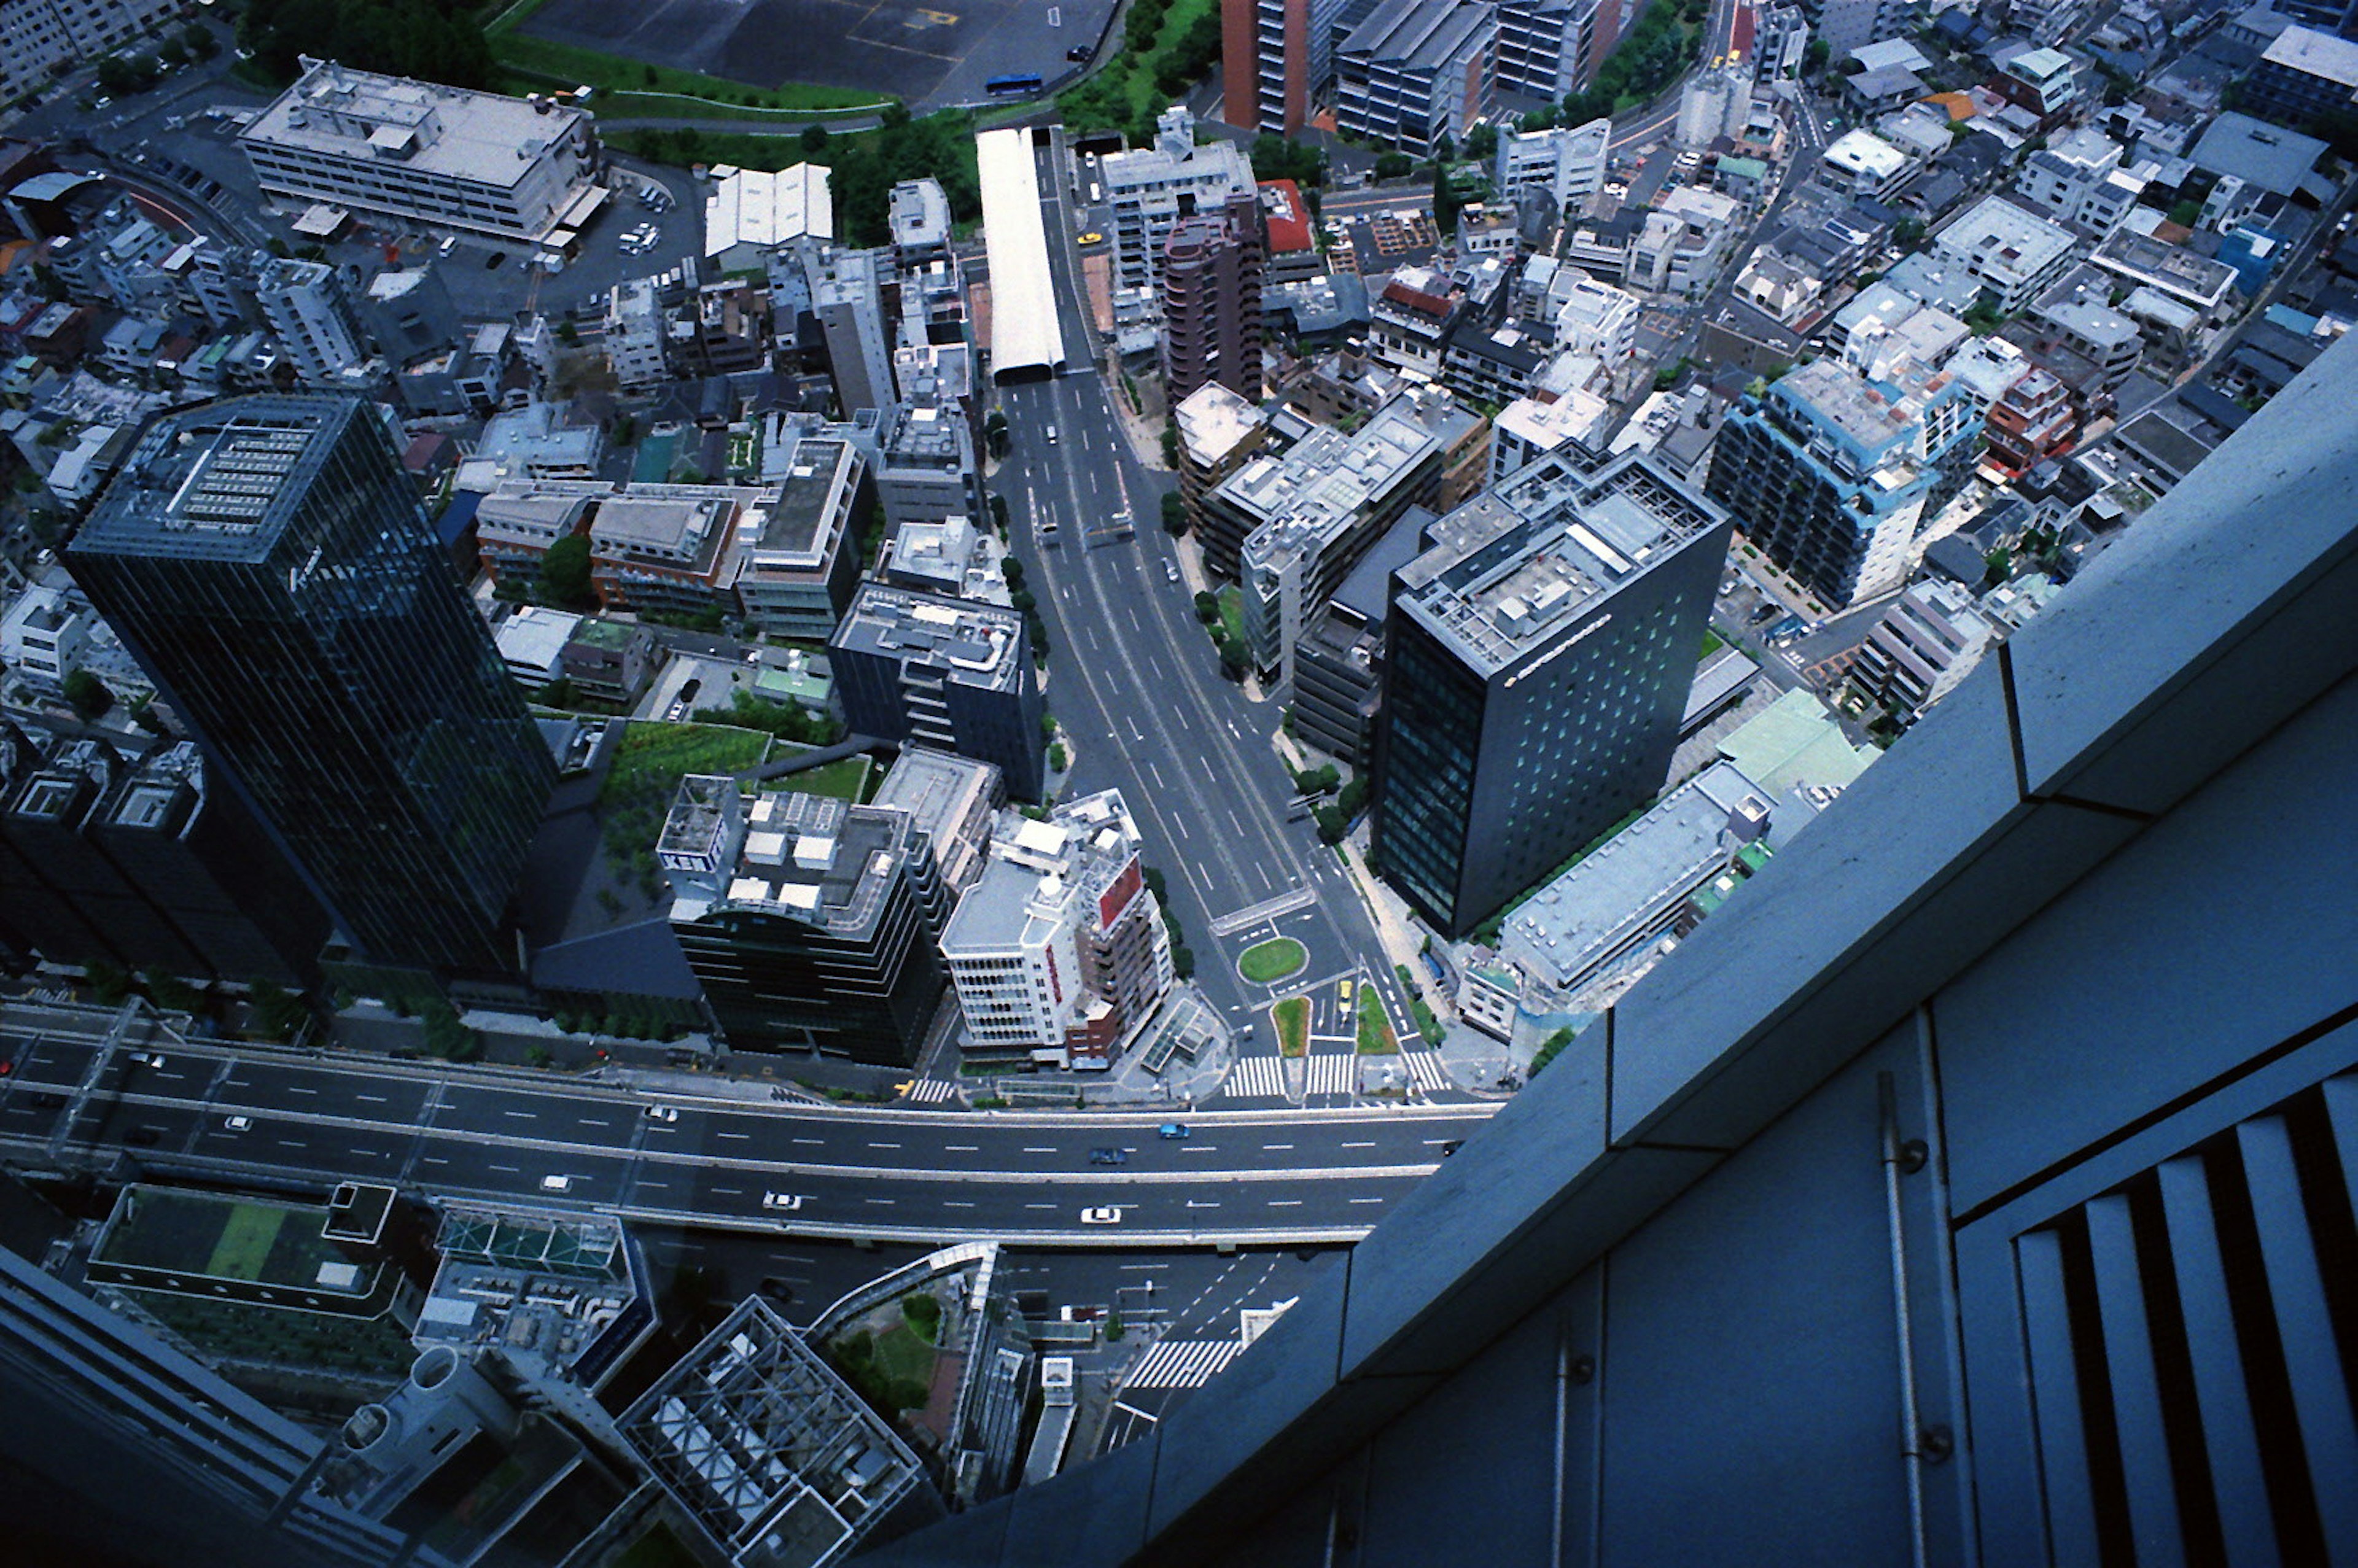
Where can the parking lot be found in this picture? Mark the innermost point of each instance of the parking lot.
(926, 56)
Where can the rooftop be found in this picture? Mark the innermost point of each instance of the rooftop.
(482, 137)
(220, 481)
(1794, 743)
(182, 1237)
(1861, 151)
(1560, 933)
(756, 207)
(810, 505)
(2257, 153)
(1287, 217)
(1213, 421)
(1508, 570)
(980, 644)
(2313, 53)
(822, 861)
(1328, 481)
(1998, 234)
(1872, 414)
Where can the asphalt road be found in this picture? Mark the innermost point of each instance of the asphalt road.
(1135, 683)
(232, 1113)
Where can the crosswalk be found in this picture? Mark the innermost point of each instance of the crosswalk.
(1425, 1070)
(1335, 1074)
(929, 1091)
(1182, 1363)
(1257, 1075)
(1275, 1076)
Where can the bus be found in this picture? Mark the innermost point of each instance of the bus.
(1011, 86)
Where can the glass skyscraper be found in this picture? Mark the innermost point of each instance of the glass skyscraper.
(1537, 662)
(268, 562)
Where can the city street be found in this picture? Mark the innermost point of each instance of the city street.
(165, 1105)
(1134, 681)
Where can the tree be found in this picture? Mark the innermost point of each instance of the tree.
(1170, 447)
(1549, 1049)
(994, 433)
(277, 1013)
(559, 692)
(173, 53)
(447, 1036)
(172, 994)
(1330, 826)
(568, 334)
(1444, 202)
(1235, 657)
(998, 513)
(565, 571)
(1183, 962)
(813, 139)
(1908, 234)
(1012, 570)
(120, 78)
(199, 41)
(1814, 57)
(1174, 513)
(1999, 566)
(1353, 798)
(1482, 142)
(88, 695)
(1394, 166)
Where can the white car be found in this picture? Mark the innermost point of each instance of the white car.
(1100, 1216)
(785, 1202)
(662, 1113)
(239, 1123)
(554, 1184)
(449, 243)
(145, 1059)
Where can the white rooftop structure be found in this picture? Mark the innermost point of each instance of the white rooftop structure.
(532, 641)
(2313, 53)
(1025, 338)
(755, 209)
(1866, 163)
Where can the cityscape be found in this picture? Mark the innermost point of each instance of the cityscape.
(1178, 782)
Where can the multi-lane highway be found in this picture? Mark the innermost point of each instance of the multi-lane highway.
(160, 1104)
(1133, 680)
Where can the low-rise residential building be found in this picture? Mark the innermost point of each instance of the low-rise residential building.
(1219, 432)
(43, 635)
(674, 549)
(608, 661)
(2208, 287)
(517, 168)
(1924, 645)
(1530, 429)
(811, 922)
(2079, 176)
(2012, 254)
(1860, 163)
(1292, 251)
(751, 212)
(2032, 421)
(516, 522)
(2043, 81)
(531, 642)
(798, 560)
(1598, 319)
(926, 469)
(1567, 163)
(1059, 951)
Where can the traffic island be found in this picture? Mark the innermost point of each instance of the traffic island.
(1266, 963)
(1291, 1017)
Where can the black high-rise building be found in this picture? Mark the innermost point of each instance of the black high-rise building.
(1536, 664)
(268, 562)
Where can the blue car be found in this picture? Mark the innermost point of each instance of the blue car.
(1171, 1129)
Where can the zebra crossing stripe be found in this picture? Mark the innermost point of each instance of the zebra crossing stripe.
(1331, 1074)
(1181, 1364)
(1262, 1076)
(1425, 1068)
(927, 1091)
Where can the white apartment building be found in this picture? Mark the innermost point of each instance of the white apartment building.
(1860, 163)
(303, 304)
(634, 333)
(2080, 177)
(2012, 254)
(1530, 429)
(521, 170)
(42, 40)
(1060, 948)
(1568, 164)
(44, 633)
(1155, 187)
(1713, 103)
(1595, 318)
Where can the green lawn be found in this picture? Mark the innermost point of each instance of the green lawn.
(1376, 1036)
(902, 1354)
(1232, 612)
(1272, 960)
(846, 778)
(1710, 642)
(1292, 1017)
(651, 755)
(245, 1242)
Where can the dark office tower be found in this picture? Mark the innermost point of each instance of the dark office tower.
(812, 924)
(1211, 301)
(1539, 656)
(36, 911)
(954, 673)
(50, 821)
(269, 564)
(182, 836)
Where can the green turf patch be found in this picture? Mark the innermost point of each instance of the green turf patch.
(1268, 962)
(902, 1354)
(1376, 1036)
(544, 62)
(1291, 1017)
(245, 1242)
(846, 778)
